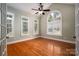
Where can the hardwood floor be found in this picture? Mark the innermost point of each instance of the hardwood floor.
(41, 47)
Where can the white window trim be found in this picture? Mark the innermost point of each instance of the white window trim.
(12, 34)
(48, 33)
(35, 33)
(22, 26)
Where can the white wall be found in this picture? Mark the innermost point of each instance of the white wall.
(17, 24)
(68, 22)
(68, 14)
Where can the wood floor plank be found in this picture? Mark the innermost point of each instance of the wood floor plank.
(41, 47)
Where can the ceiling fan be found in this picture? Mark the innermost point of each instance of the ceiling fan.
(40, 9)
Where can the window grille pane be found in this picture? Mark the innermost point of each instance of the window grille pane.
(25, 27)
(10, 16)
(9, 25)
(9, 21)
(24, 19)
(9, 30)
(35, 27)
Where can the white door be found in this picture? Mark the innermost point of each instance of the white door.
(77, 28)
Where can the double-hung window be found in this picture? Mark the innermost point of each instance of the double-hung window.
(24, 25)
(10, 23)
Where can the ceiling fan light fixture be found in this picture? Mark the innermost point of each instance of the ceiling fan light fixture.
(40, 12)
(43, 13)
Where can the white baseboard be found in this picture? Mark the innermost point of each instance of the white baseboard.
(21, 40)
(58, 39)
(42, 37)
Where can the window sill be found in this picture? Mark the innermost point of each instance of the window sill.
(54, 34)
(24, 34)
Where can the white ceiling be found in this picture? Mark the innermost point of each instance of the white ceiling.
(27, 7)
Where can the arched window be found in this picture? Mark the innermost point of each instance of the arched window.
(54, 23)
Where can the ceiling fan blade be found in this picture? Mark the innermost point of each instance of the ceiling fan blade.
(36, 13)
(46, 10)
(35, 9)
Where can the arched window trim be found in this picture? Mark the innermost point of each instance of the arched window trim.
(51, 33)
